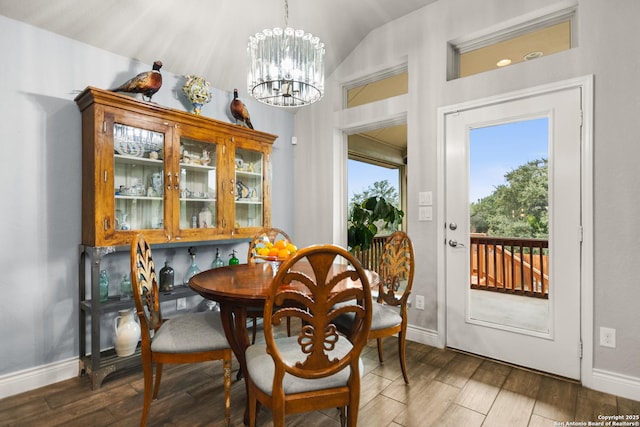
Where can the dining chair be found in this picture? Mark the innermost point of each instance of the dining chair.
(186, 338)
(271, 235)
(319, 368)
(395, 269)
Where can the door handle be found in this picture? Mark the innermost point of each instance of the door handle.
(454, 244)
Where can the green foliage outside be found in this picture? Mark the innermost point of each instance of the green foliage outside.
(379, 188)
(518, 208)
(371, 213)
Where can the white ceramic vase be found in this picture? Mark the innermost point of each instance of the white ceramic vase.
(126, 332)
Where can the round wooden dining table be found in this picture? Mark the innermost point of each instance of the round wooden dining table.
(236, 287)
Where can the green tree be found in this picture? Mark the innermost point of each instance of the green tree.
(380, 189)
(518, 208)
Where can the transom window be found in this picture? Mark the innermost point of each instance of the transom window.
(527, 41)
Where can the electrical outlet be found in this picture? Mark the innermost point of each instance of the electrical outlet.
(608, 337)
(181, 303)
(420, 302)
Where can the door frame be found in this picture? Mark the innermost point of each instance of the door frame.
(586, 181)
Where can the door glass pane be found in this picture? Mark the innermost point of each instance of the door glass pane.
(197, 184)
(138, 178)
(249, 197)
(509, 217)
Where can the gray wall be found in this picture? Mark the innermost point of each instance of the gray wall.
(40, 168)
(607, 36)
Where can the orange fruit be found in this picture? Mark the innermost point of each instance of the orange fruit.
(280, 244)
(273, 252)
(283, 253)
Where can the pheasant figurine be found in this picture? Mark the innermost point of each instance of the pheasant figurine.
(239, 110)
(147, 83)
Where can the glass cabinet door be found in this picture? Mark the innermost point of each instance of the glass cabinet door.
(249, 188)
(138, 178)
(198, 201)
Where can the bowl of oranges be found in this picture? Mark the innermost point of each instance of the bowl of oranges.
(280, 250)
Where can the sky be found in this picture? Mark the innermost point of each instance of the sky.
(362, 176)
(496, 150)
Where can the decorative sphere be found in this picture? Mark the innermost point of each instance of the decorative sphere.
(196, 89)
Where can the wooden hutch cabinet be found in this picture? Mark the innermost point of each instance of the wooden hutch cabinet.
(176, 177)
(173, 175)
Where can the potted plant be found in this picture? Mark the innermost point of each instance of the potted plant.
(367, 218)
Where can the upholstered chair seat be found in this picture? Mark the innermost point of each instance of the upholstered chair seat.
(262, 368)
(191, 332)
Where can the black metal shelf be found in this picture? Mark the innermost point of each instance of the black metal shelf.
(99, 363)
(115, 304)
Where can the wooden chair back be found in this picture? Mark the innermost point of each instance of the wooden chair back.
(396, 269)
(317, 305)
(144, 281)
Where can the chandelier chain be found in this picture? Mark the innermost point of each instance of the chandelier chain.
(286, 13)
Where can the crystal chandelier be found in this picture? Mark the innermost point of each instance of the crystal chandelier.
(286, 67)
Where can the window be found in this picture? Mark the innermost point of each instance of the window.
(389, 84)
(524, 42)
(366, 180)
(377, 165)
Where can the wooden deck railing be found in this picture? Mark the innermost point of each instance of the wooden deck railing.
(511, 265)
(371, 257)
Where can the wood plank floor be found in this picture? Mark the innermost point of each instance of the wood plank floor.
(447, 388)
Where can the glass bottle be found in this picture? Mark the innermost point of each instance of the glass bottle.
(104, 286)
(193, 268)
(166, 277)
(234, 260)
(217, 261)
(125, 288)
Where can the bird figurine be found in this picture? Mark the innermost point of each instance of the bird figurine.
(239, 110)
(147, 83)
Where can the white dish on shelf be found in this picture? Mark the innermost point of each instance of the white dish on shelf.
(135, 148)
(129, 148)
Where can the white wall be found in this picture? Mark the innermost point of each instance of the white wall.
(40, 171)
(606, 47)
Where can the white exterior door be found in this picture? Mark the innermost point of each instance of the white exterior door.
(495, 324)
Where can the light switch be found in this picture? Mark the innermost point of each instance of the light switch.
(425, 213)
(425, 198)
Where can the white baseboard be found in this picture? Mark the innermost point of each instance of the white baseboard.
(614, 383)
(30, 379)
(424, 336)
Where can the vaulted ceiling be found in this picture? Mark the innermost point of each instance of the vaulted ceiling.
(209, 37)
(206, 37)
